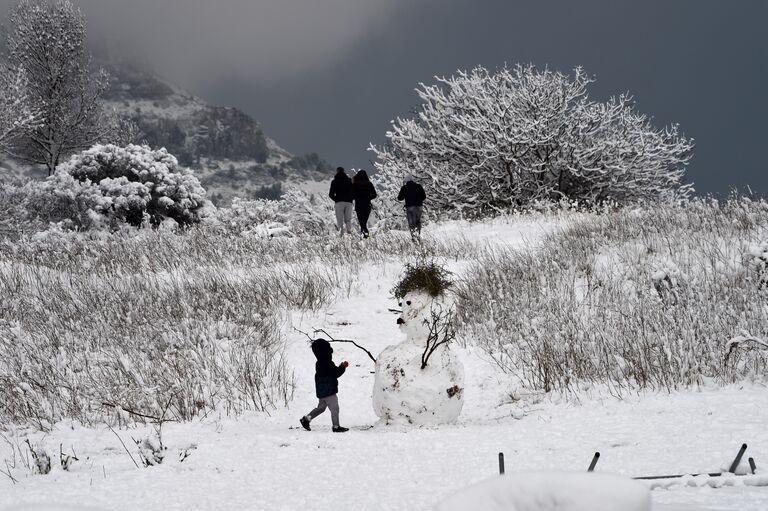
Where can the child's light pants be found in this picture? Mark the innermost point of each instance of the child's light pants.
(331, 402)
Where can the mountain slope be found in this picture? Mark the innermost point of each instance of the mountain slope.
(226, 147)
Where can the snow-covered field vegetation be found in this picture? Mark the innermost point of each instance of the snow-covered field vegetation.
(640, 297)
(177, 323)
(579, 331)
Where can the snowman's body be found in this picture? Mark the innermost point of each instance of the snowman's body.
(403, 391)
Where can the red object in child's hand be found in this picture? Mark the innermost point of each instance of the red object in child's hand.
(345, 364)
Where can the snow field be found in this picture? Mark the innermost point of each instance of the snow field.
(257, 462)
(261, 461)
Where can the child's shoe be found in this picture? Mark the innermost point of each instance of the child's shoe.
(339, 429)
(305, 423)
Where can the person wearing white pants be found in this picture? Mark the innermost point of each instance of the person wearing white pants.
(342, 194)
(343, 216)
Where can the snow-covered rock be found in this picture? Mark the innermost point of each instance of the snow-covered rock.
(552, 491)
(404, 391)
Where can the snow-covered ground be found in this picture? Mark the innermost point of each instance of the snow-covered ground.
(270, 462)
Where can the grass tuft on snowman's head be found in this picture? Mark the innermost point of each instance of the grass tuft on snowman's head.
(427, 277)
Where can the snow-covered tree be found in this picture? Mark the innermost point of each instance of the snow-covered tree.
(16, 112)
(483, 141)
(47, 42)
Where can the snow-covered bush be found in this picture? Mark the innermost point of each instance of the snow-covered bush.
(110, 186)
(133, 184)
(14, 217)
(40, 458)
(757, 258)
(296, 213)
(636, 298)
(151, 450)
(486, 141)
(64, 201)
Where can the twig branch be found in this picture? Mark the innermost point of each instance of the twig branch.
(440, 332)
(347, 341)
(7, 472)
(124, 447)
(162, 419)
(309, 337)
(144, 416)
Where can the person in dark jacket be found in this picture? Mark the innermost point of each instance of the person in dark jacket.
(414, 195)
(326, 385)
(342, 195)
(363, 192)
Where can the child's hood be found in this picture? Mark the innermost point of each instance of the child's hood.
(322, 349)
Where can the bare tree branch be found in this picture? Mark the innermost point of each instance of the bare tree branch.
(441, 331)
(331, 339)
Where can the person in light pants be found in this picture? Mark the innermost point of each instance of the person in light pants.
(414, 196)
(344, 216)
(342, 194)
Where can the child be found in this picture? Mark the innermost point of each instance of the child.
(326, 384)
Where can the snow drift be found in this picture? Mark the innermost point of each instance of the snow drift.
(552, 491)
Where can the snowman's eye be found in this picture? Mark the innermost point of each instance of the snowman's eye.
(408, 302)
(399, 304)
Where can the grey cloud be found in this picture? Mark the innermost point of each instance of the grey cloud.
(199, 41)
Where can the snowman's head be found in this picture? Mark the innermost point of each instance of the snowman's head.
(413, 321)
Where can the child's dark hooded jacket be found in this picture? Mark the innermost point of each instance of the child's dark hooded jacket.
(326, 372)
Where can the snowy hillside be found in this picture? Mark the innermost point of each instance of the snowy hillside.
(267, 461)
(227, 148)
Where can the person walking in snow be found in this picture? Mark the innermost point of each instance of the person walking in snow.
(363, 193)
(326, 385)
(414, 195)
(341, 193)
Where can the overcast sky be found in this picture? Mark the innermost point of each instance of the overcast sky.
(328, 76)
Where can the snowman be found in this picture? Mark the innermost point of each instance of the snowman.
(421, 380)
